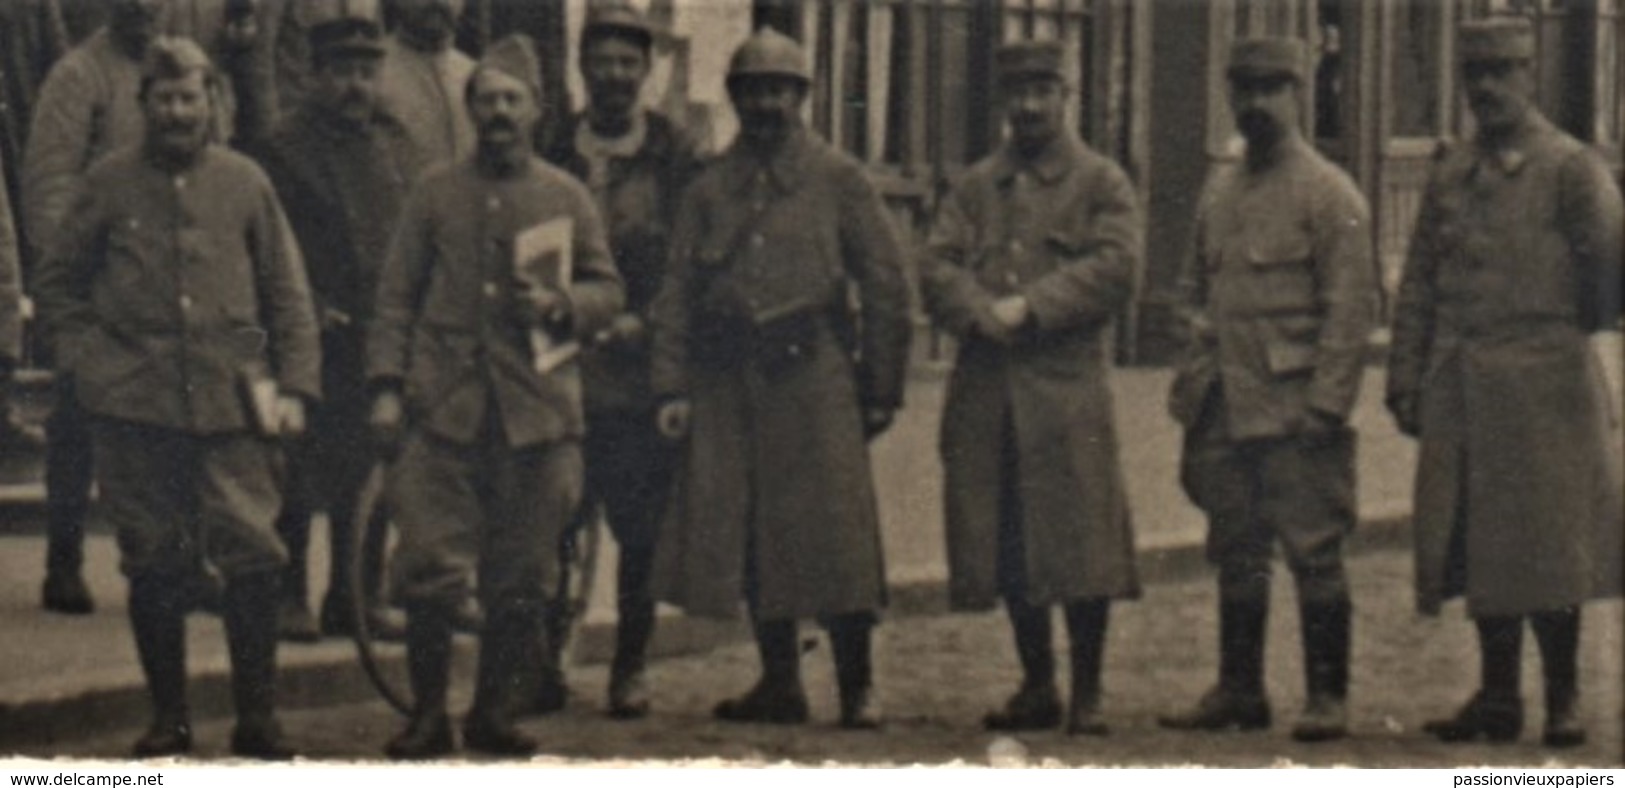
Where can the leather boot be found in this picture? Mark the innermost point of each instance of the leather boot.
(1325, 631)
(547, 690)
(1495, 712)
(295, 624)
(1086, 625)
(1238, 702)
(511, 632)
(250, 605)
(628, 690)
(158, 618)
(1036, 705)
(67, 500)
(778, 697)
(1558, 633)
(428, 659)
(851, 641)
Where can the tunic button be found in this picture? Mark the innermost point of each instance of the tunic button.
(1015, 247)
(493, 203)
(180, 181)
(186, 302)
(757, 241)
(490, 289)
(1011, 279)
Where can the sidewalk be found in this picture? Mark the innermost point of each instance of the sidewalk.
(63, 676)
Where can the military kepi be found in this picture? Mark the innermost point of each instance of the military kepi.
(1268, 57)
(1028, 60)
(515, 56)
(347, 36)
(1495, 39)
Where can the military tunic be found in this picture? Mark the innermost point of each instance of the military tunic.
(1282, 294)
(343, 189)
(491, 472)
(752, 326)
(1027, 439)
(629, 464)
(166, 295)
(1516, 259)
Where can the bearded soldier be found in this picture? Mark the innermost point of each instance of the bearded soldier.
(760, 361)
(1514, 265)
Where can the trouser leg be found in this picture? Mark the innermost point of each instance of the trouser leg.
(68, 472)
(251, 635)
(1034, 637)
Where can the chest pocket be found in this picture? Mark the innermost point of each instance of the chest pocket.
(1269, 273)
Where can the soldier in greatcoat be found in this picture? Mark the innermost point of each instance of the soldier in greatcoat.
(760, 359)
(1031, 258)
(636, 162)
(1514, 264)
(342, 166)
(469, 352)
(175, 295)
(1280, 296)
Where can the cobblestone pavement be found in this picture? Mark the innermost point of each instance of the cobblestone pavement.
(939, 674)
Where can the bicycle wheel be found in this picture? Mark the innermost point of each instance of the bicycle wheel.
(392, 684)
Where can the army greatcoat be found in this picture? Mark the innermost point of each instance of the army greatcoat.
(1515, 261)
(754, 326)
(1063, 231)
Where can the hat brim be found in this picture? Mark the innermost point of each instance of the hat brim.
(354, 50)
(1030, 75)
(643, 34)
(1262, 72)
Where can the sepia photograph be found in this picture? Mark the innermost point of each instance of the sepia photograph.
(811, 383)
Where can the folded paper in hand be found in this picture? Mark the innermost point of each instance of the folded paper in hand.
(542, 259)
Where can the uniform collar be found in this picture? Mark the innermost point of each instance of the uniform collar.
(1512, 154)
(1054, 163)
(626, 146)
(785, 170)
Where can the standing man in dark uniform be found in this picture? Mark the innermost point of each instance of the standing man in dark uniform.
(1513, 273)
(636, 162)
(1280, 297)
(1030, 260)
(490, 474)
(342, 166)
(176, 297)
(760, 361)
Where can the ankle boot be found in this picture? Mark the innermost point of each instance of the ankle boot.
(1086, 625)
(851, 641)
(1558, 633)
(1238, 702)
(158, 620)
(428, 659)
(250, 605)
(1036, 705)
(1325, 631)
(510, 634)
(1495, 712)
(778, 697)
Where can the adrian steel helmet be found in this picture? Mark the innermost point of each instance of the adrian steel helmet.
(769, 53)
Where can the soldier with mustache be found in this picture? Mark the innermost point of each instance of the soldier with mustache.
(1279, 296)
(176, 296)
(636, 162)
(1507, 317)
(342, 166)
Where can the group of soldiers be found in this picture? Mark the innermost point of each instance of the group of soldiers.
(703, 348)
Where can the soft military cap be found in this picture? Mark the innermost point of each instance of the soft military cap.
(616, 17)
(347, 37)
(515, 56)
(1495, 39)
(1027, 60)
(173, 57)
(1268, 57)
